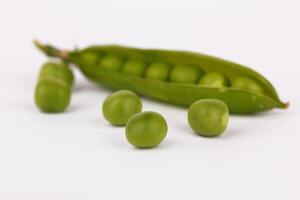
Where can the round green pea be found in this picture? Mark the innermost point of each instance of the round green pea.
(158, 71)
(213, 79)
(247, 84)
(111, 62)
(134, 67)
(52, 95)
(57, 70)
(89, 59)
(208, 117)
(120, 106)
(186, 74)
(146, 129)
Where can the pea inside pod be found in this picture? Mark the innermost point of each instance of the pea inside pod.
(186, 74)
(214, 79)
(111, 62)
(247, 83)
(134, 67)
(158, 71)
(90, 58)
(189, 76)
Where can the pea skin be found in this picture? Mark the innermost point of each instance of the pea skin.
(120, 106)
(208, 117)
(146, 129)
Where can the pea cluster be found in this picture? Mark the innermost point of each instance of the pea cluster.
(209, 86)
(163, 71)
(53, 90)
(143, 129)
(207, 117)
(124, 108)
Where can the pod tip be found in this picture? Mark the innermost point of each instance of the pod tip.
(37, 43)
(283, 105)
(40, 46)
(286, 105)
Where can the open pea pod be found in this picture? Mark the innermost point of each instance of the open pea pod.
(142, 71)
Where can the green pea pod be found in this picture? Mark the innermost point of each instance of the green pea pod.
(240, 99)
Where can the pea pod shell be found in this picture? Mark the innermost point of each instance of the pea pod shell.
(239, 101)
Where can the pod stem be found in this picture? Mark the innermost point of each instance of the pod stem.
(52, 51)
(285, 105)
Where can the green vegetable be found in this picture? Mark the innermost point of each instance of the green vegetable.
(90, 59)
(53, 90)
(247, 84)
(146, 129)
(208, 117)
(134, 67)
(59, 71)
(186, 74)
(214, 79)
(111, 62)
(180, 86)
(158, 71)
(120, 106)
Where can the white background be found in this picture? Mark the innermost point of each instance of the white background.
(78, 155)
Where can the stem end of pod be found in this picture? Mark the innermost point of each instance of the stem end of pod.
(51, 51)
(283, 105)
(286, 105)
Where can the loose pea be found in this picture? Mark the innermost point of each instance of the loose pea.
(248, 84)
(213, 79)
(57, 70)
(208, 117)
(146, 129)
(111, 62)
(120, 106)
(158, 71)
(134, 67)
(186, 74)
(52, 95)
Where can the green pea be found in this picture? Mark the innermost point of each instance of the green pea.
(213, 79)
(247, 84)
(89, 59)
(186, 74)
(146, 129)
(52, 95)
(111, 62)
(158, 71)
(57, 70)
(120, 106)
(134, 67)
(208, 117)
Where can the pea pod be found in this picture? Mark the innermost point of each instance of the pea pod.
(181, 85)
